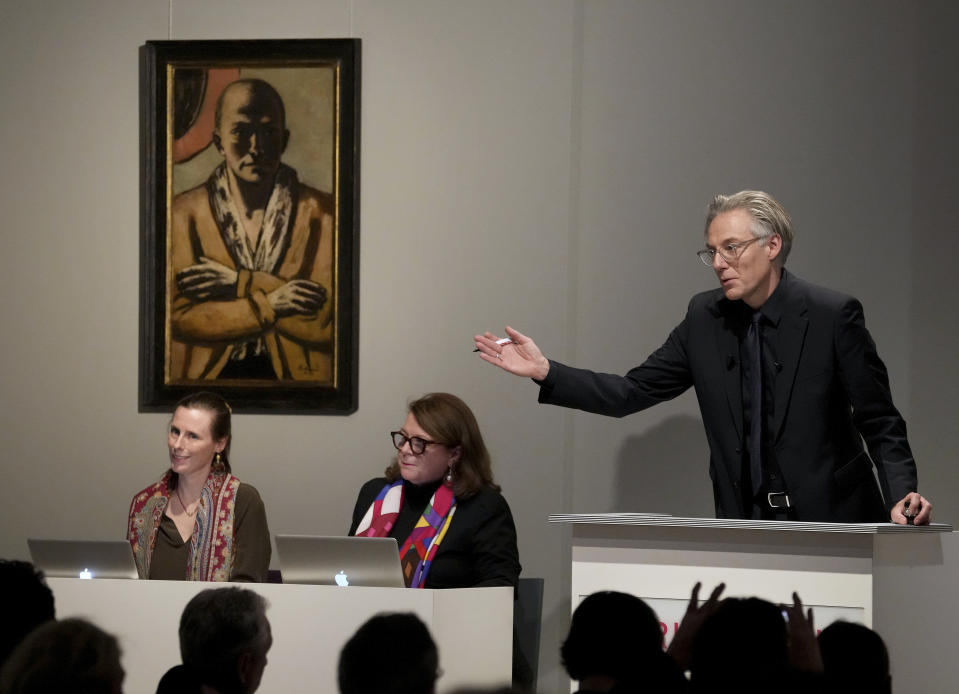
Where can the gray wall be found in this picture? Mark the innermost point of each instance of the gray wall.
(544, 163)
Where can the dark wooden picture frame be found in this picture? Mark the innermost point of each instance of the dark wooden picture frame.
(249, 203)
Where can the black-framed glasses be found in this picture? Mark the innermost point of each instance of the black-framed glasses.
(417, 445)
(730, 252)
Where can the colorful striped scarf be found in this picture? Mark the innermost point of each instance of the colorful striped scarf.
(419, 549)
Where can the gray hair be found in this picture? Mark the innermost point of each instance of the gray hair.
(218, 626)
(768, 215)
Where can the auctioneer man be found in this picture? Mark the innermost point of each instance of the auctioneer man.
(252, 255)
(787, 377)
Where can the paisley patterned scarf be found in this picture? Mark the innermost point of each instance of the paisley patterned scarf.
(211, 545)
(419, 549)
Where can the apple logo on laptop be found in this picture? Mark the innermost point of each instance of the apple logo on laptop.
(86, 573)
(341, 579)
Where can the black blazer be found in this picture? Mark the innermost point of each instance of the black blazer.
(479, 548)
(830, 387)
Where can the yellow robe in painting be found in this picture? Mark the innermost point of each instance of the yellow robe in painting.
(203, 333)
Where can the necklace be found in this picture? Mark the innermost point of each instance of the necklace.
(183, 506)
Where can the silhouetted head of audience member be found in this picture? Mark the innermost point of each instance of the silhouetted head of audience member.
(616, 638)
(224, 638)
(743, 645)
(180, 679)
(71, 656)
(855, 659)
(29, 603)
(390, 653)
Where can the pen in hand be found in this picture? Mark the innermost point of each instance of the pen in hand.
(503, 341)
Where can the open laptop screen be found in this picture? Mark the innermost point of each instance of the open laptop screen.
(83, 558)
(344, 561)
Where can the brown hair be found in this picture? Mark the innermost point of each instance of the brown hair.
(451, 422)
(220, 426)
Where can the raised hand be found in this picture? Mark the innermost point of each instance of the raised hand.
(681, 647)
(803, 646)
(520, 356)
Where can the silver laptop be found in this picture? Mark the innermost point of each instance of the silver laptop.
(83, 558)
(340, 561)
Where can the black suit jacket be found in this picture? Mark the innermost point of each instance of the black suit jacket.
(830, 387)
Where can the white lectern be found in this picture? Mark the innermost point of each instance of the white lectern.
(900, 580)
(471, 626)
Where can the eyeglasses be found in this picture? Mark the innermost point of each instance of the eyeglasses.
(417, 445)
(730, 252)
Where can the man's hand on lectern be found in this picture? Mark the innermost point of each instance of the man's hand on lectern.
(913, 509)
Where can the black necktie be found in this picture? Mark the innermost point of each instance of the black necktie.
(754, 405)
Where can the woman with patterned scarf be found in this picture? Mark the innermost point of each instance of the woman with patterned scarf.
(439, 501)
(199, 522)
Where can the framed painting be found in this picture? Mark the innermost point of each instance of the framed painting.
(249, 237)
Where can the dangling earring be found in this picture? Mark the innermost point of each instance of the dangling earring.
(218, 462)
(449, 476)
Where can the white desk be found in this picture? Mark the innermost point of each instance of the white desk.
(472, 628)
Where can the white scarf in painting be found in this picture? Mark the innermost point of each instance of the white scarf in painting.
(274, 231)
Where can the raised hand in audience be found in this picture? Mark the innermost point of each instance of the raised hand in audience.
(681, 647)
(803, 646)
